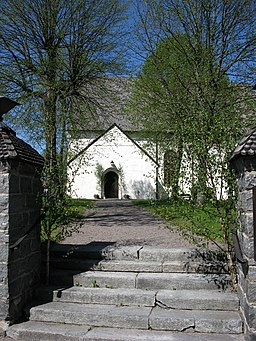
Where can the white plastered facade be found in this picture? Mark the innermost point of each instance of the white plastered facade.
(113, 158)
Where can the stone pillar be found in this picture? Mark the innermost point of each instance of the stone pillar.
(20, 203)
(244, 162)
(4, 240)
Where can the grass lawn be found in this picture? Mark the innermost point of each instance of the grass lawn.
(193, 221)
(78, 207)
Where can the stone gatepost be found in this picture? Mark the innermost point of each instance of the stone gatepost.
(244, 162)
(20, 192)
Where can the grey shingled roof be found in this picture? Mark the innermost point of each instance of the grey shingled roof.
(11, 147)
(247, 146)
(109, 96)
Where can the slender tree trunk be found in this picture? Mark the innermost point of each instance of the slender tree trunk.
(63, 155)
(50, 170)
(177, 160)
(48, 261)
(50, 135)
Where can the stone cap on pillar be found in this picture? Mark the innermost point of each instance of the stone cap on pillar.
(11, 147)
(244, 155)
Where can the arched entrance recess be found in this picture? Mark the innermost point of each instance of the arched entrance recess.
(111, 185)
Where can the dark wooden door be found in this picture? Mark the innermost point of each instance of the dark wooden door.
(111, 185)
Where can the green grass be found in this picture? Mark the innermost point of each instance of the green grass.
(75, 209)
(78, 207)
(193, 221)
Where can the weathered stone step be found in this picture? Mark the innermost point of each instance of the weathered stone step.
(34, 331)
(95, 250)
(107, 265)
(198, 300)
(149, 253)
(174, 299)
(138, 266)
(151, 281)
(92, 315)
(195, 267)
(107, 251)
(120, 297)
(201, 321)
(38, 331)
(139, 317)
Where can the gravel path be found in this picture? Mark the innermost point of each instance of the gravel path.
(124, 223)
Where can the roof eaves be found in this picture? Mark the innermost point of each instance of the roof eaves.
(246, 146)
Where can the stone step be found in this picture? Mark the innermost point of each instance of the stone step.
(139, 317)
(174, 299)
(95, 250)
(119, 297)
(106, 265)
(179, 281)
(200, 321)
(195, 267)
(138, 266)
(108, 251)
(69, 277)
(151, 281)
(198, 300)
(92, 315)
(149, 253)
(38, 331)
(34, 331)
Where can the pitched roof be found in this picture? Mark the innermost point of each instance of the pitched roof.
(108, 97)
(11, 147)
(247, 146)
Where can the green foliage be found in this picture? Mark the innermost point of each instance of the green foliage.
(120, 172)
(95, 284)
(192, 104)
(192, 48)
(199, 223)
(99, 172)
(51, 52)
(69, 211)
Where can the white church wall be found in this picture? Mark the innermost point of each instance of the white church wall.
(215, 181)
(136, 170)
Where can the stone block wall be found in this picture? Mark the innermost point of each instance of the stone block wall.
(4, 239)
(247, 281)
(20, 192)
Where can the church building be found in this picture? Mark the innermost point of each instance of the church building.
(112, 158)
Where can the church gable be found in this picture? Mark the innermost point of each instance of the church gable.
(113, 158)
(116, 135)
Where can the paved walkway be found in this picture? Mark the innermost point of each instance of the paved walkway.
(124, 223)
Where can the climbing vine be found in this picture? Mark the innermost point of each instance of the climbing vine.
(99, 172)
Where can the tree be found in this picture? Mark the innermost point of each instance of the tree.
(50, 53)
(192, 47)
(195, 50)
(162, 83)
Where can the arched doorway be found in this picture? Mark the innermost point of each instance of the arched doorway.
(111, 185)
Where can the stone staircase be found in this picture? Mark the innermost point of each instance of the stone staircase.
(108, 293)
